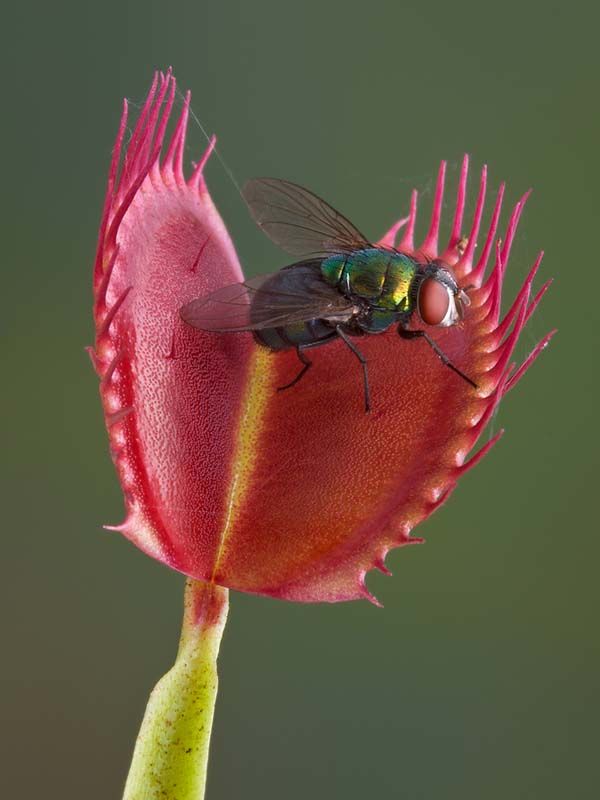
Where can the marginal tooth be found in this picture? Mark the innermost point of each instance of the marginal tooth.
(379, 564)
(117, 416)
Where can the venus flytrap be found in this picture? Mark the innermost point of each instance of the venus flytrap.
(295, 495)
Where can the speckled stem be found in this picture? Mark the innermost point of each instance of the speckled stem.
(171, 753)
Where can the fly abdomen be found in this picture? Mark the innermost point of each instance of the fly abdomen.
(302, 333)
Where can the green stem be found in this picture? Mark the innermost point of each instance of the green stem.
(171, 753)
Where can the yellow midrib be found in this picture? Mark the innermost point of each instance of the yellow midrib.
(254, 402)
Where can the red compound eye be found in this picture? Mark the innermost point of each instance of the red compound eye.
(433, 301)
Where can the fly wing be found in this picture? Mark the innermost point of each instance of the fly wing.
(299, 221)
(294, 294)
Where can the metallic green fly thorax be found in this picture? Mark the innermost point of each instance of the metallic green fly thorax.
(381, 277)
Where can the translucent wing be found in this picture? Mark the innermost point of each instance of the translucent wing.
(298, 221)
(294, 294)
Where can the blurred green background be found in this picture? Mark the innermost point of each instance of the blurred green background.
(479, 677)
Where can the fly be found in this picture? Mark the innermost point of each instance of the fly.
(343, 287)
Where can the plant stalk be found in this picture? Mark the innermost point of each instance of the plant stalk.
(171, 753)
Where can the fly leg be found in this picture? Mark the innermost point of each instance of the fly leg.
(348, 342)
(405, 334)
(307, 364)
